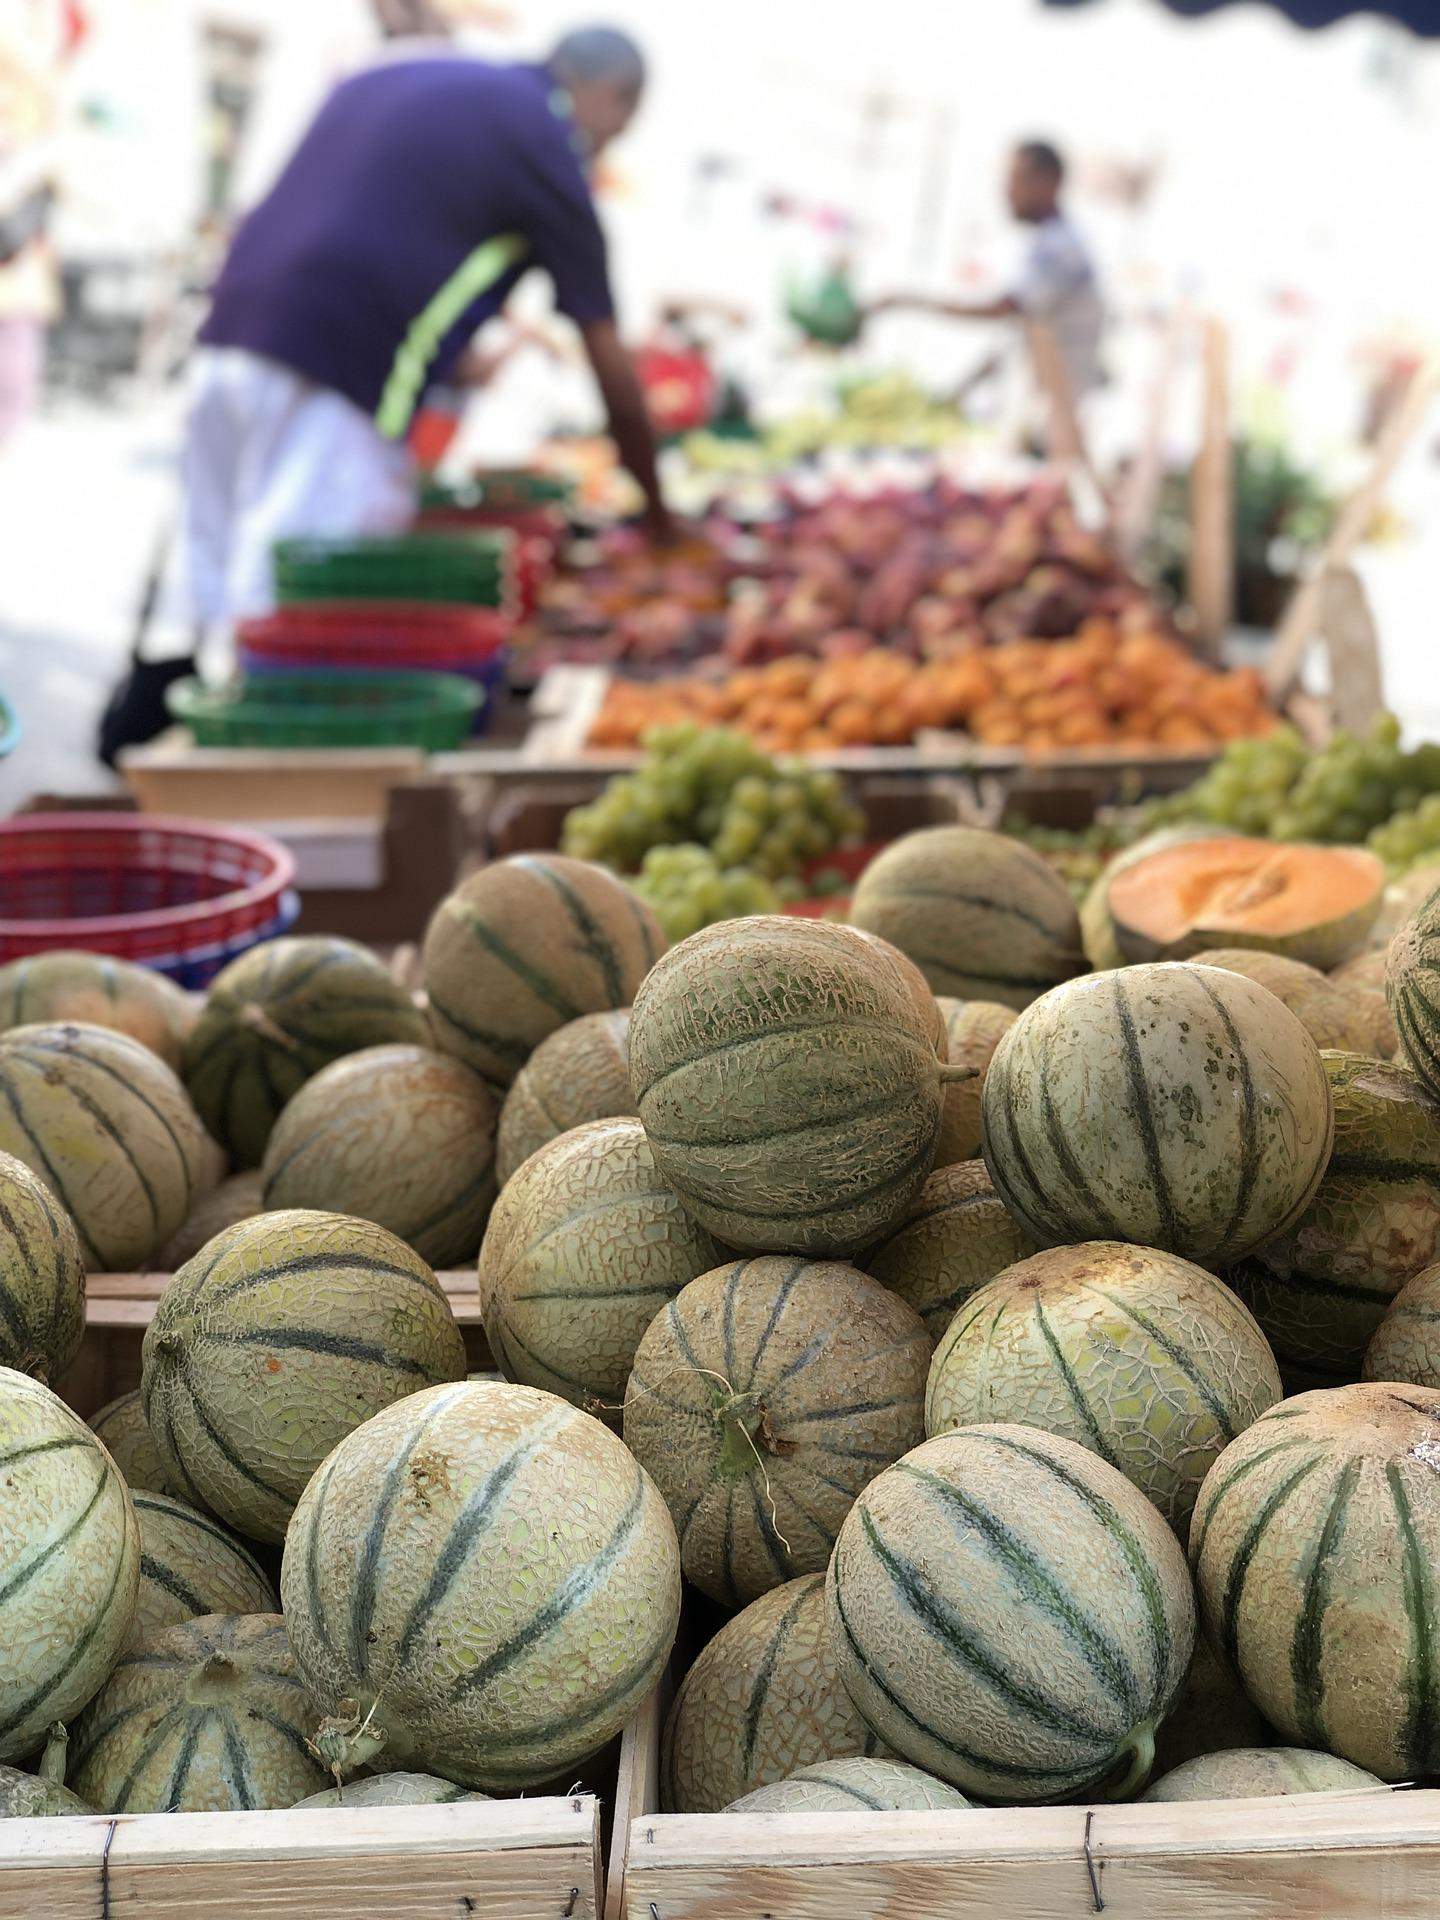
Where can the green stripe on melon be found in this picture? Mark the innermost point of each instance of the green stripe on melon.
(762, 1700)
(276, 1341)
(527, 945)
(1255, 1773)
(69, 1562)
(1315, 1543)
(393, 1790)
(488, 1577)
(276, 1016)
(42, 1277)
(208, 1716)
(581, 1073)
(1178, 1107)
(124, 1432)
(109, 1129)
(585, 1246)
(190, 1565)
(956, 1235)
(1145, 1359)
(789, 1082)
(853, 1786)
(763, 1399)
(1010, 1613)
(981, 915)
(403, 1136)
(1320, 1289)
(101, 991)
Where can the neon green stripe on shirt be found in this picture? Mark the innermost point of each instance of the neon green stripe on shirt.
(475, 275)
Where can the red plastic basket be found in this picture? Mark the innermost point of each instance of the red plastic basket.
(372, 635)
(145, 886)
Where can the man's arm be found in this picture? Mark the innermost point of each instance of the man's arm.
(1002, 309)
(628, 417)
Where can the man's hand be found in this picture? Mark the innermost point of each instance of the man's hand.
(629, 419)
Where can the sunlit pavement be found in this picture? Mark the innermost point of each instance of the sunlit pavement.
(86, 495)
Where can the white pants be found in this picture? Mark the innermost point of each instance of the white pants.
(271, 456)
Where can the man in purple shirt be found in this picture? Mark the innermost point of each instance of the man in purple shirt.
(425, 188)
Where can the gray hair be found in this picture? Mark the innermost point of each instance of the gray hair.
(599, 53)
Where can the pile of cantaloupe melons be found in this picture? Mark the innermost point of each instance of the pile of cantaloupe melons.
(1037, 1363)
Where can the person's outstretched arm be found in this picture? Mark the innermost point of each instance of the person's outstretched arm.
(628, 418)
(1002, 309)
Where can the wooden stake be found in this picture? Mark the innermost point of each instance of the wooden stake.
(1211, 571)
(1140, 491)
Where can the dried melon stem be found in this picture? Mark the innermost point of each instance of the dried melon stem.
(349, 1739)
(211, 1682)
(956, 1076)
(52, 1761)
(258, 1020)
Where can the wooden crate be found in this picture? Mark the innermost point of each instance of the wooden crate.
(535, 1858)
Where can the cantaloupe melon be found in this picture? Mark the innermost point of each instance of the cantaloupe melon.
(1309, 903)
(1254, 1773)
(1177, 1107)
(276, 1341)
(956, 1234)
(124, 1432)
(762, 1700)
(1350, 1019)
(1314, 1544)
(788, 1082)
(526, 945)
(69, 1563)
(102, 991)
(973, 1030)
(190, 1566)
(1214, 1714)
(1320, 1288)
(43, 1794)
(1406, 1344)
(403, 1136)
(926, 1003)
(581, 1073)
(1365, 970)
(1410, 963)
(208, 1716)
(1142, 1357)
(42, 1277)
(393, 1790)
(111, 1132)
(240, 1197)
(1401, 901)
(981, 915)
(279, 1014)
(763, 1398)
(1097, 930)
(853, 1786)
(585, 1246)
(488, 1577)
(1010, 1613)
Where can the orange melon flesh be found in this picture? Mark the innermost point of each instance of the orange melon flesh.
(1309, 903)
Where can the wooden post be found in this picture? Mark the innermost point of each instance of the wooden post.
(1211, 570)
(1347, 629)
(1140, 491)
(1295, 630)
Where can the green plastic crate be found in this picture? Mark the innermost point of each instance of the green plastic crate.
(471, 568)
(507, 488)
(434, 711)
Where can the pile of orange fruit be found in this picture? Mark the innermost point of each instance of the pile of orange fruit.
(1105, 687)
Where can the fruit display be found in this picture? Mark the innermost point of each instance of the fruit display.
(762, 1700)
(423, 1600)
(400, 1135)
(188, 1566)
(525, 945)
(1321, 1286)
(582, 1072)
(108, 1128)
(277, 1015)
(282, 1335)
(42, 1277)
(1312, 1543)
(762, 1399)
(208, 1716)
(979, 914)
(1146, 1359)
(1024, 1545)
(1176, 1107)
(1105, 688)
(102, 991)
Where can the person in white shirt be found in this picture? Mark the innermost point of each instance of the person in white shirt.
(1056, 284)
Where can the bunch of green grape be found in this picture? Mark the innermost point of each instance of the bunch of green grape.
(707, 787)
(1409, 839)
(689, 889)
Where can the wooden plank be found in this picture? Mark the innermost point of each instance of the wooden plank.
(173, 775)
(1139, 493)
(1347, 630)
(637, 1789)
(514, 1859)
(1313, 1857)
(1211, 566)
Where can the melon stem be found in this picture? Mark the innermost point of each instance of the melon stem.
(52, 1761)
(1141, 1749)
(258, 1021)
(740, 1419)
(956, 1076)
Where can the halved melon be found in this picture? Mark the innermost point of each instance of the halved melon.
(1308, 903)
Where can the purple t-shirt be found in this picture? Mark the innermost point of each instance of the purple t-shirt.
(408, 170)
